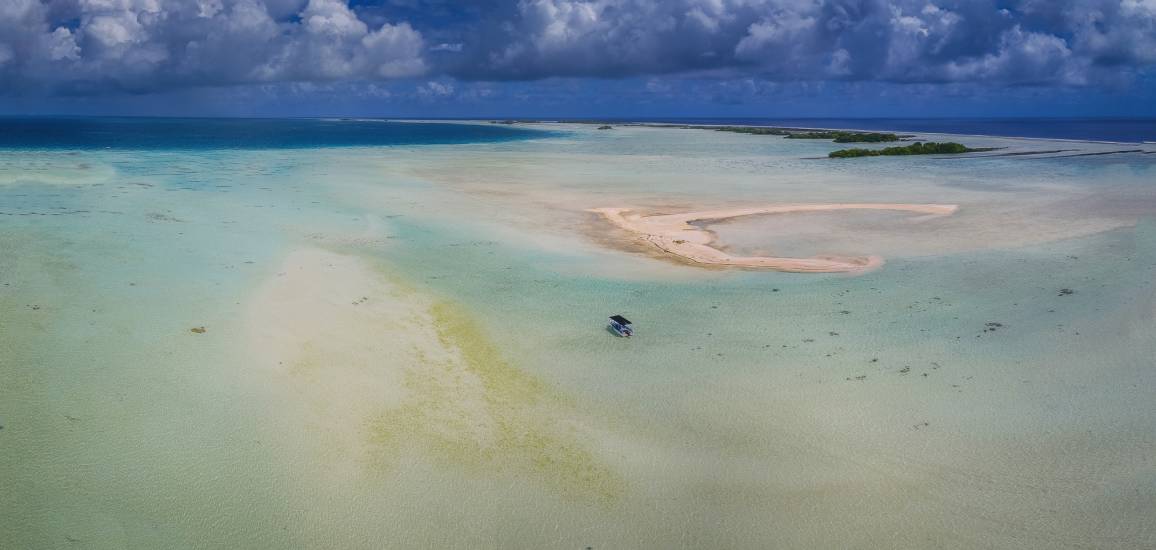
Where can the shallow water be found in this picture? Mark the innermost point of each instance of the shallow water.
(958, 397)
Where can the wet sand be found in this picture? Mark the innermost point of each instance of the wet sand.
(675, 234)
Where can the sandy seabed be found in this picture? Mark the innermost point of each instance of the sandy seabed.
(384, 371)
(406, 347)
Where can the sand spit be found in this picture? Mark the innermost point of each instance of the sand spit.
(674, 234)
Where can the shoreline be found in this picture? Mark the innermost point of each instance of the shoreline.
(675, 234)
(916, 132)
(679, 125)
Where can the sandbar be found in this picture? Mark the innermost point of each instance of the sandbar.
(674, 234)
(381, 372)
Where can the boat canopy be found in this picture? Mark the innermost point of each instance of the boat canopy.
(620, 319)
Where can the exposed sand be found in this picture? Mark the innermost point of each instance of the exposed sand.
(674, 234)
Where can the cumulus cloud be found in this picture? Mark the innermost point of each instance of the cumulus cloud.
(83, 46)
(1015, 42)
(447, 47)
(88, 46)
(434, 89)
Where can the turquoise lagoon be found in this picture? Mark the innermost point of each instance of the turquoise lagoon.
(958, 397)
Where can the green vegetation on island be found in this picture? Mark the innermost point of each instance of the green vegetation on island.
(917, 148)
(840, 136)
(754, 130)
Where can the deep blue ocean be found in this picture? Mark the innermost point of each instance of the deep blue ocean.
(238, 133)
(1131, 130)
(244, 133)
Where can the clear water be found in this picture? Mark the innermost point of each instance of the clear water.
(752, 410)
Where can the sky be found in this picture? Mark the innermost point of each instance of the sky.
(579, 58)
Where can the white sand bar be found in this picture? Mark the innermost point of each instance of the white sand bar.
(674, 234)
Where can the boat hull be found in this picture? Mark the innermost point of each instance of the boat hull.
(620, 330)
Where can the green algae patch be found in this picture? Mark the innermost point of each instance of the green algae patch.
(472, 409)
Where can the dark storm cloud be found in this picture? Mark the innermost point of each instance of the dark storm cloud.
(87, 46)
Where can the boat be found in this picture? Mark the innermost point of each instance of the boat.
(621, 326)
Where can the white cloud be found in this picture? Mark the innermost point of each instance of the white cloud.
(145, 45)
(1023, 57)
(156, 44)
(1068, 43)
(114, 31)
(394, 51)
(62, 45)
(332, 18)
(780, 30)
(434, 89)
(455, 47)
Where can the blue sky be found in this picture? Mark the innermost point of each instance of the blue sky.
(579, 58)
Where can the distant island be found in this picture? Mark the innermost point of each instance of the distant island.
(838, 136)
(754, 130)
(917, 148)
(847, 137)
